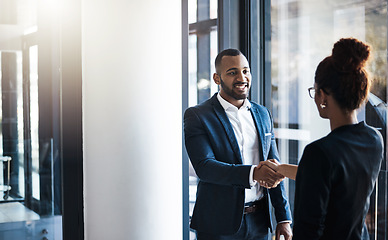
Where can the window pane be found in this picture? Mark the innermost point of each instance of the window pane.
(192, 10)
(202, 53)
(192, 69)
(11, 136)
(213, 9)
(34, 120)
(213, 55)
(200, 10)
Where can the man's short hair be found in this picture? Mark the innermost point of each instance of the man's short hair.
(226, 52)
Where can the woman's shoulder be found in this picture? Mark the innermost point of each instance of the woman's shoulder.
(316, 147)
(316, 156)
(319, 149)
(375, 136)
(320, 143)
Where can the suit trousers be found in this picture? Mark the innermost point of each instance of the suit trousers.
(252, 227)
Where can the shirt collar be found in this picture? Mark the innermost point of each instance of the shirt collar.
(227, 105)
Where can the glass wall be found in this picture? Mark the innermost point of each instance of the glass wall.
(302, 34)
(30, 192)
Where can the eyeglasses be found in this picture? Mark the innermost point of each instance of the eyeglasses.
(311, 91)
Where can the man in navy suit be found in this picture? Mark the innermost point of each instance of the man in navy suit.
(226, 137)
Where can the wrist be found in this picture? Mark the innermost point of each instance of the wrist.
(256, 173)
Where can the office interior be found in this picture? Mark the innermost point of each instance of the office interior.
(93, 93)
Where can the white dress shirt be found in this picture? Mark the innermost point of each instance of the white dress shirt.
(247, 138)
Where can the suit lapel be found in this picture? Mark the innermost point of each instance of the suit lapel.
(220, 112)
(261, 135)
(260, 130)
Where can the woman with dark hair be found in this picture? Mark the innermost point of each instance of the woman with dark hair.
(337, 173)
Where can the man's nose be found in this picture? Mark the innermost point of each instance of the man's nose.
(242, 77)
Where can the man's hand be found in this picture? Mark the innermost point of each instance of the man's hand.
(266, 176)
(285, 230)
(287, 170)
(271, 163)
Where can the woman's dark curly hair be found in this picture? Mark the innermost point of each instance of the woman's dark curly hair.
(343, 74)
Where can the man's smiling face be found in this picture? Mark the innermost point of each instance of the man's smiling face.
(234, 76)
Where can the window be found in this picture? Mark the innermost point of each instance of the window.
(202, 50)
(40, 116)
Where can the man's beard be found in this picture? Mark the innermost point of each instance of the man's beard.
(233, 94)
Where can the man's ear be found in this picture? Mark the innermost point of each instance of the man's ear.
(216, 78)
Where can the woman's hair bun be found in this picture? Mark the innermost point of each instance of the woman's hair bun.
(350, 54)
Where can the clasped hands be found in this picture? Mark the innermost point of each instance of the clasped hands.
(266, 173)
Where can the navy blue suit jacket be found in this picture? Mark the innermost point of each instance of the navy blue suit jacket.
(215, 155)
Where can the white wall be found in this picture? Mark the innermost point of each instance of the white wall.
(132, 119)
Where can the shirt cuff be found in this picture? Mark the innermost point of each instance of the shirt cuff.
(252, 182)
(285, 221)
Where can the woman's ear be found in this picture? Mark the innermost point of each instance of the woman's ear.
(216, 78)
(322, 99)
(323, 95)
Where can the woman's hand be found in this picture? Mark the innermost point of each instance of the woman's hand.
(265, 174)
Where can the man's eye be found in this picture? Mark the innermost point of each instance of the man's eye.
(246, 71)
(232, 73)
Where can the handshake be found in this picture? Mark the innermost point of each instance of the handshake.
(270, 173)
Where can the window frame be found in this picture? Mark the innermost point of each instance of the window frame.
(229, 36)
(71, 121)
